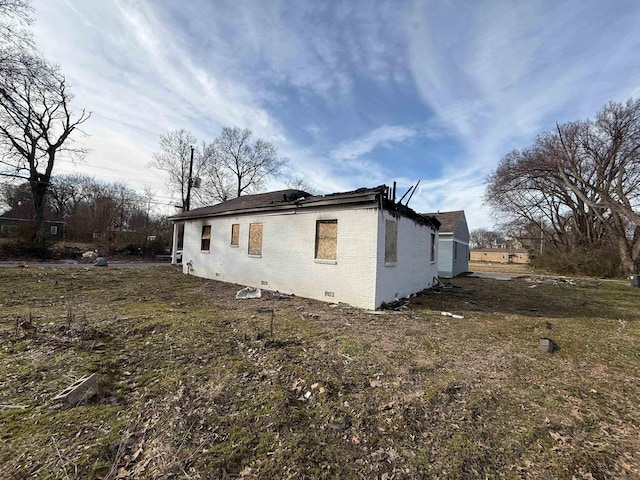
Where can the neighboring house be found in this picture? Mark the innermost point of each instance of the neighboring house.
(500, 255)
(453, 243)
(24, 215)
(355, 247)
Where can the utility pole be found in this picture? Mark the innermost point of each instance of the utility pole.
(188, 202)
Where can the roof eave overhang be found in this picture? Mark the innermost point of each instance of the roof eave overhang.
(308, 203)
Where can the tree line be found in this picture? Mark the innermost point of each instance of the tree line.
(577, 188)
(93, 209)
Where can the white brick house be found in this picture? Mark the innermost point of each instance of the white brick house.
(356, 247)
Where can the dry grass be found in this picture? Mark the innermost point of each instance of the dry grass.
(192, 385)
(493, 267)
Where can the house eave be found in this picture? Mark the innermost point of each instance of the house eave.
(369, 199)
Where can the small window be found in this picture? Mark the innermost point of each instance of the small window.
(205, 242)
(54, 230)
(455, 250)
(255, 239)
(235, 234)
(326, 239)
(432, 255)
(391, 242)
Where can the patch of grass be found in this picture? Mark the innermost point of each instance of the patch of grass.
(193, 385)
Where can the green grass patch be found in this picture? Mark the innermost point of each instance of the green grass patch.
(195, 384)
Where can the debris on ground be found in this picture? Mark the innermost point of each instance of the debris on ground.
(397, 305)
(548, 345)
(282, 296)
(101, 262)
(248, 292)
(452, 315)
(81, 390)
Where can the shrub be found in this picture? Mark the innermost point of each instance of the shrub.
(601, 262)
(24, 250)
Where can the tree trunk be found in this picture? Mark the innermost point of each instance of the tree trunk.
(627, 261)
(39, 191)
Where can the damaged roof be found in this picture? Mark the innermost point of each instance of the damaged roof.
(286, 199)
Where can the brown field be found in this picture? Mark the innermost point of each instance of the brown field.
(491, 267)
(192, 384)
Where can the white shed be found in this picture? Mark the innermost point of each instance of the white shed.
(453, 243)
(357, 247)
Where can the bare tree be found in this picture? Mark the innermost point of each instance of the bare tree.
(580, 184)
(16, 41)
(36, 122)
(237, 164)
(12, 194)
(93, 207)
(485, 238)
(299, 183)
(174, 158)
(66, 192)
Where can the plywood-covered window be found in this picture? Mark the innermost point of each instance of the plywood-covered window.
(391, 242)
(205, 239)
(235, 234)
(326, 239)
(432, 255)
(255, 239)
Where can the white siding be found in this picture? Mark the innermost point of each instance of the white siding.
(413, 271)
(287, 263)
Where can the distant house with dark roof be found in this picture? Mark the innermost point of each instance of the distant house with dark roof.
(357, 247)
(453, 243)
(24, 216)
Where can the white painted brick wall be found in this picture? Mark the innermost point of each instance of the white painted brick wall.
(359, 276)
(414, 271)
(287, 263)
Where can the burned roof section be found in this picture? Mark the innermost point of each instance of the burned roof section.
(246, 203)
(286, 199)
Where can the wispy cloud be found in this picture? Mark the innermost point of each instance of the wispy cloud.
(444, 89)
(380, 137)
(503, 72)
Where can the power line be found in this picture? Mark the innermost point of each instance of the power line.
(128, 173)
(125, 123)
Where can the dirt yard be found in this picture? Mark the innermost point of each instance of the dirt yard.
(195, 384)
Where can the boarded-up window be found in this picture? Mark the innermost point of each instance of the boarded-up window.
(255, 239)
(391, 242)
(432, 256)
(205, 240)
(235, 234)
(326, 239)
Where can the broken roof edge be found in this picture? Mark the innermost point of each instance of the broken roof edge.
(278, 200)
(270, 202)
(412, 214)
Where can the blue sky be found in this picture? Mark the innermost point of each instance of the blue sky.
(353, 93)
